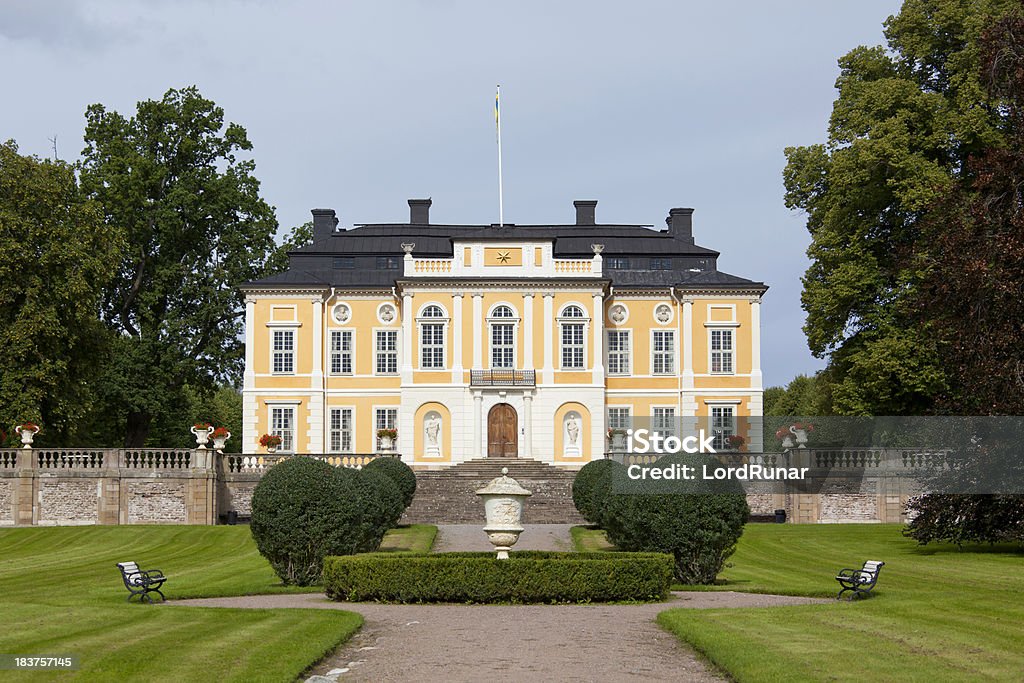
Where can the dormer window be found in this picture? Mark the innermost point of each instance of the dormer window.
(617, 262)
(344, 262)
(388, 263)
(661, 263)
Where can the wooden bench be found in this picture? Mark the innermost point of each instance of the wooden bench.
(141, 583)
(859, 582)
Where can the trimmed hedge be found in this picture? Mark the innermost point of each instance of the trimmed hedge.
(589, 490)
(381, 504)
(527, 577)
(399, 472)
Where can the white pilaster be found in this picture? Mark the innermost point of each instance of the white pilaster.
(548, 373)
(527, 425)
(456, 337)
(528, 331)
(478, 407)
(687, 344)
(249, 378)
(756, 381)
(598, 323)
(317, 378)
(407, 327)
(478, 334)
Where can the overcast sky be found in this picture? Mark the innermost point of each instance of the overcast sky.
(359, 106)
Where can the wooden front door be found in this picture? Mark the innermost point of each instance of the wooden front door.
(502, 432)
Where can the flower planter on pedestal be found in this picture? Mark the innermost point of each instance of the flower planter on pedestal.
(220, 441)
(202, 437)
(387, 443)
(503, 509)
(27, 433)
(618, 443)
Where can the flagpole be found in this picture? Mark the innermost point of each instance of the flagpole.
(497, 121)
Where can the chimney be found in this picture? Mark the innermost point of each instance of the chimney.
(419, 211)
(324, 223)
(680, 224)
(585, 211)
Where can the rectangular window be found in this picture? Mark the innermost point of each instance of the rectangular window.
(341, 430)
(663, 359)
(619, 418)
(432, 346)
(572, 346)
(386, 361)
(385, 418)
(388, 263)
(722, 426)
(341, 352)
(617, 263)
(344, 262)
(282, 424)
(284, 352)
(663, 420)
(721, 351)
(503, 346)
(618, 352)
(661, 263)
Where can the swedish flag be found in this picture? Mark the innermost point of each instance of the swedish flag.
(497, 98)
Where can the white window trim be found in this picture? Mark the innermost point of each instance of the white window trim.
(444, 320)
(398, 351)
(295, 349)
(613, 406)
(711, 329)
(514, 321)
(352, 430)
(608, 351)
(373, 435)
(284, 405)
(330, 335)
(561, 319)
(675, 416)
(675, 353)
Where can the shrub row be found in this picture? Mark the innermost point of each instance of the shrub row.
(304, 509)
(698, 528)
(527, 577)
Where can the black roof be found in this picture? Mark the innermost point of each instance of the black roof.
(680, 262)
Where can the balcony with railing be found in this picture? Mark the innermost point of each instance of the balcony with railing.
(503, 378)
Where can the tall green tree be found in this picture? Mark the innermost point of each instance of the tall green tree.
(173, 178)
(907, 118)
(56, 255)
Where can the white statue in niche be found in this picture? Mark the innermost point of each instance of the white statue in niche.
(572, 434)
(432, 434)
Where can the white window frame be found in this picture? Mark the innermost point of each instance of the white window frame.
(670, 355)
(628, 353)
(337, 434)
(728, 355)
(422, 323)
(377, 352)
(723, 424)
(286, 432)
(614, 422)
(582, 321)
(386, 423)
(285, 354)
(659, 423)
(496, 320)
(340, 353)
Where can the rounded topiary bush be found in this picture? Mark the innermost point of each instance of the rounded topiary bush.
(303, 510)
(587, 495)
(382, 507)
(399, 472)
(699, 525)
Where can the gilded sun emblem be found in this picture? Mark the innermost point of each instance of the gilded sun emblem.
(504, 256)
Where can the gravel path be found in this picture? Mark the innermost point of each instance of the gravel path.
(470, 537)
(455, 643)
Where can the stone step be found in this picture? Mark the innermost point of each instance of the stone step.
(448, 496)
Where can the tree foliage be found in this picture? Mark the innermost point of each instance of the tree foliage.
(172, 179)
(57, 257)
(907, 119)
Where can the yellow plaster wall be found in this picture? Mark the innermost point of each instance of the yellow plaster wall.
(364, 423)
(301, 442)
(742, 340)
(264, 312)
(641, 322)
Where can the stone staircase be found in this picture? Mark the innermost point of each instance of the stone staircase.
(447, 496)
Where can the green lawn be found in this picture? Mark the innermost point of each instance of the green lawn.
(938, 613)
(61, 594)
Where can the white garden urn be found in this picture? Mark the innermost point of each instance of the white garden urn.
(503, 510)
(220, 441)
(800, 435)
(202, 437)
(28, 433)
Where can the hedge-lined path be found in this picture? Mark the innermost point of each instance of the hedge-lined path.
(455, 643)
(471, 537)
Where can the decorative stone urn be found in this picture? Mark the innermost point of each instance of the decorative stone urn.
(220, 441)
(503, 509)
(202, 437)
(800, 436)
(271, 449)
(787, 441)
(618, 442)
(28, 433)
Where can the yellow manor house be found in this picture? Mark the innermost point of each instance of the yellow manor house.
(534, 341)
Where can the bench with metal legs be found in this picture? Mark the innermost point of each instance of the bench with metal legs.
(141, 583)
(859, 582)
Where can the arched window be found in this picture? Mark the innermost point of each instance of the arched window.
(432, 338)
(502, 312)
(503, 337)
(572, 312)
(433, 312)
(573, 337)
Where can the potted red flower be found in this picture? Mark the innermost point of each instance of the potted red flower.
(271, 442)
(220, 435)
(27, 431)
